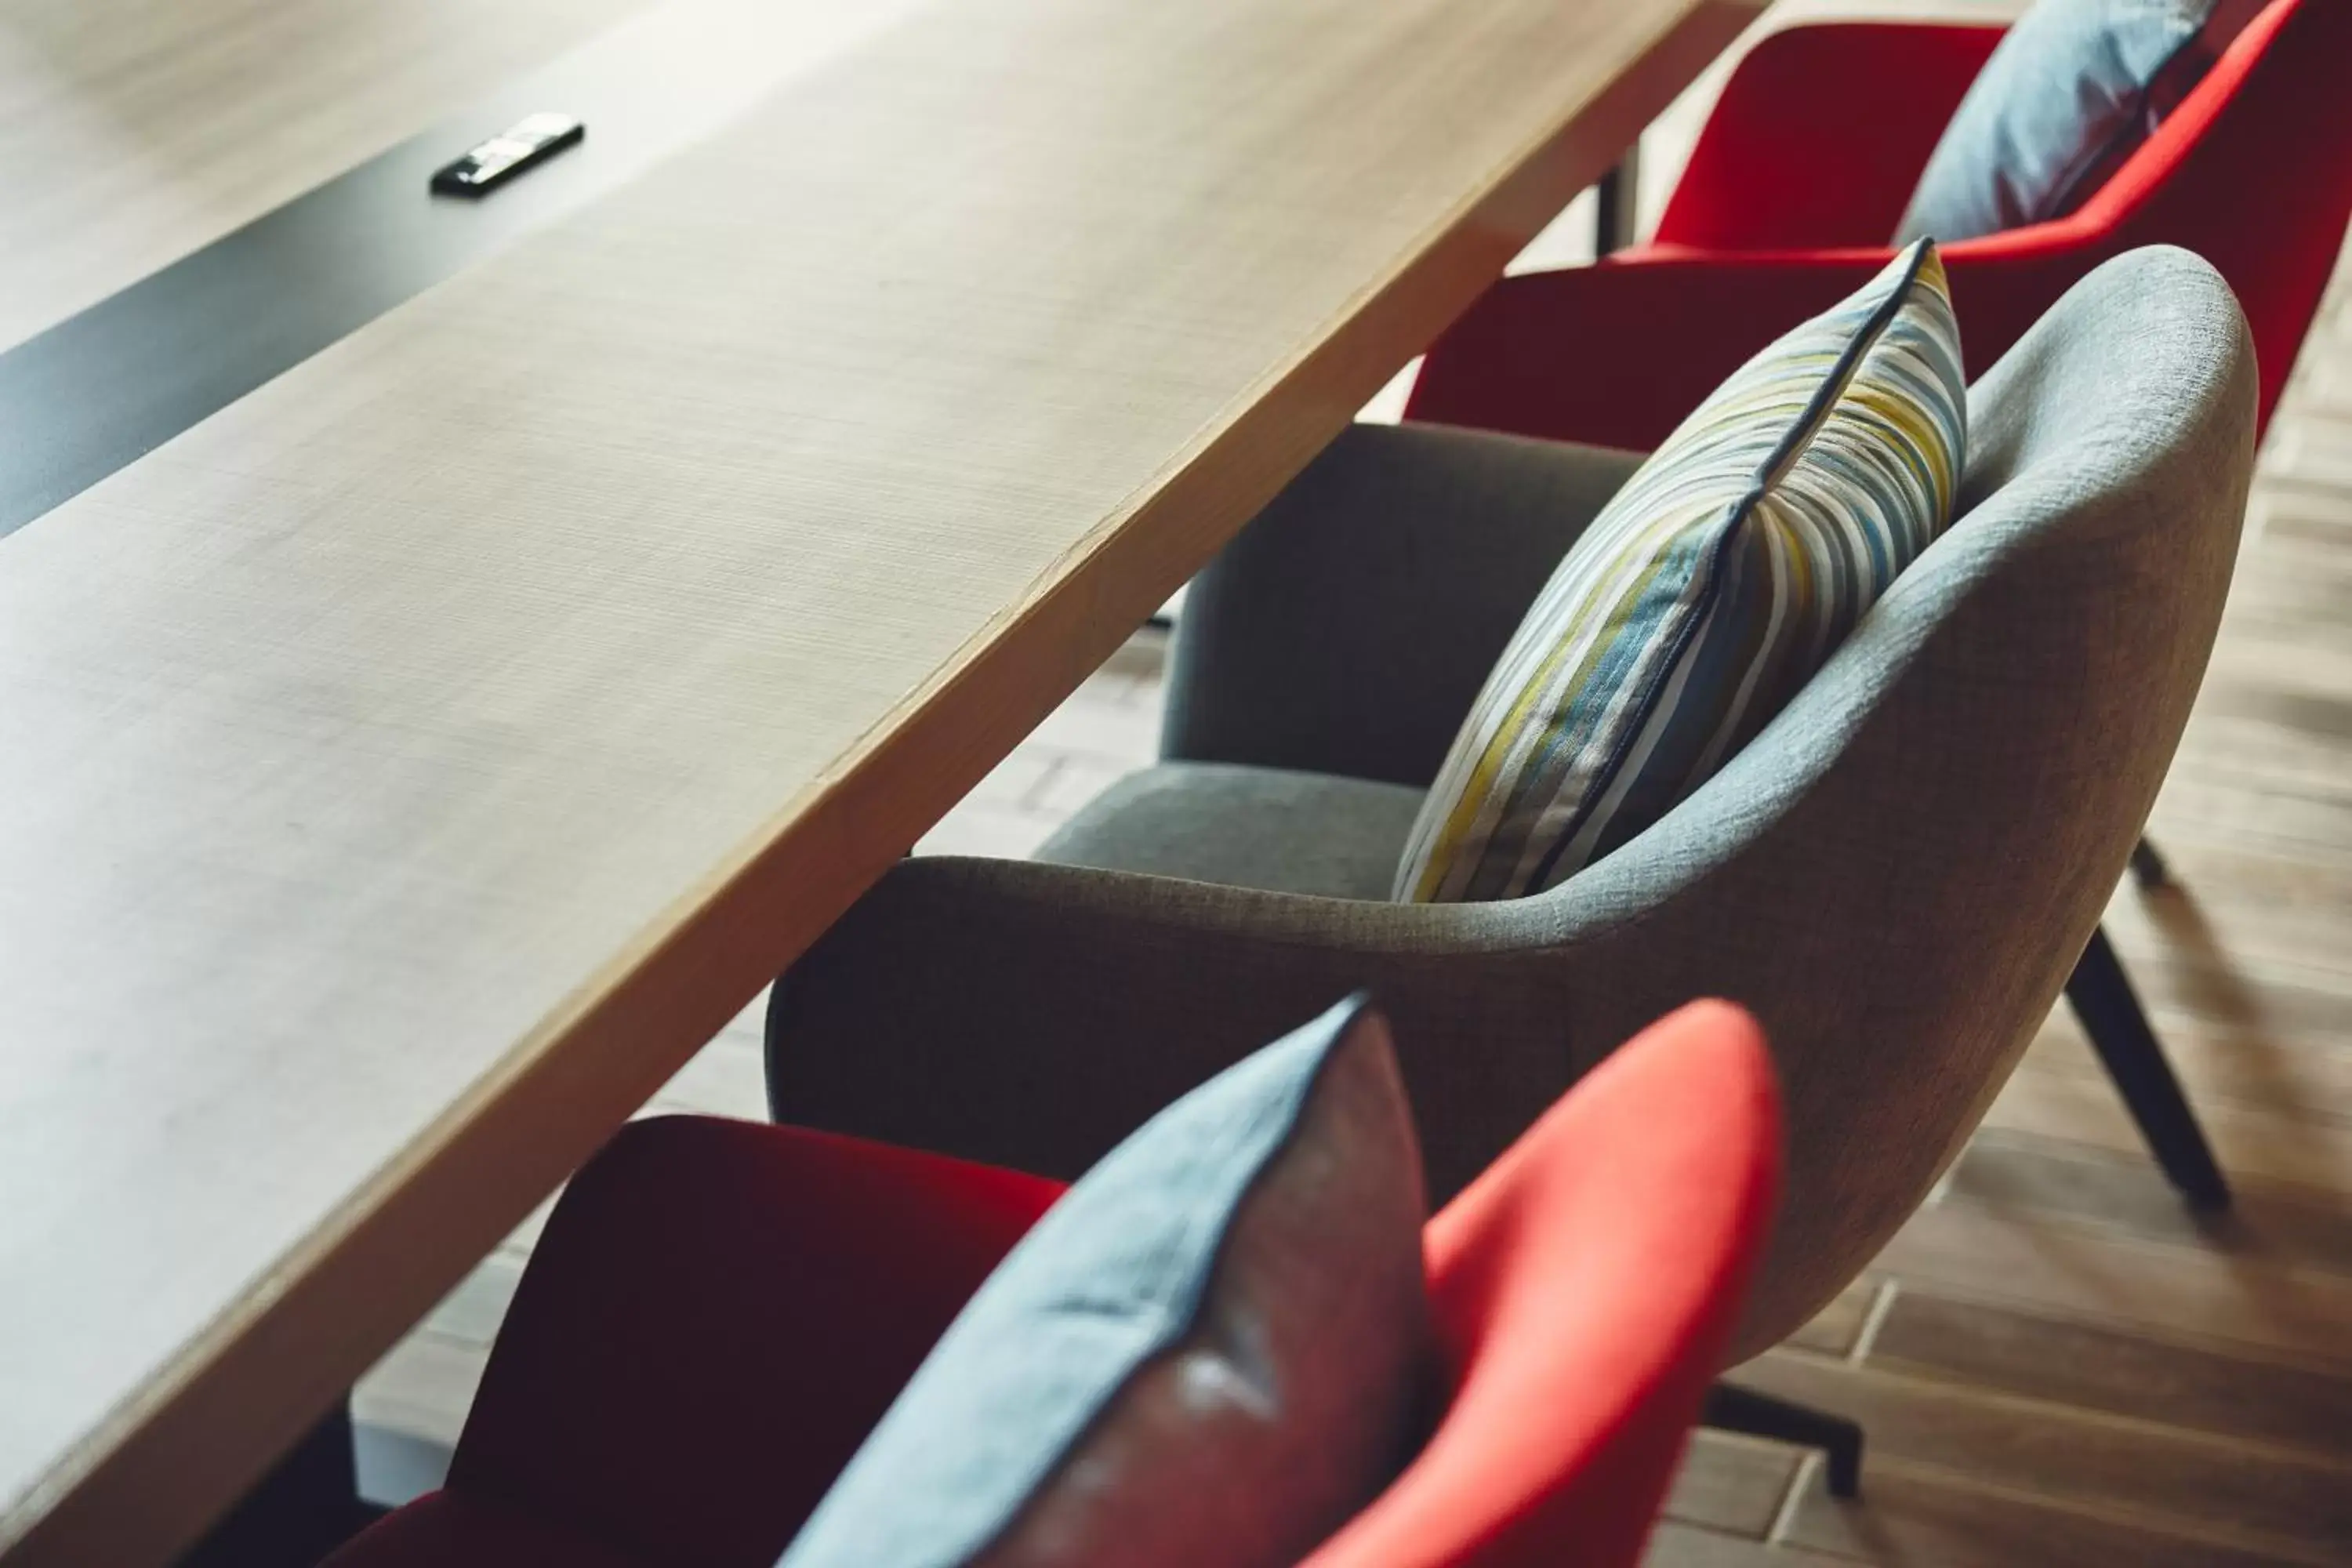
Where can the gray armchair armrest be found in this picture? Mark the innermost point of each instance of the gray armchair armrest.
(1030, 1015)
(1348, 629)
(1113, 994)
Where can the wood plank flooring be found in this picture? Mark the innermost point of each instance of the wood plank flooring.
(2057, 1364)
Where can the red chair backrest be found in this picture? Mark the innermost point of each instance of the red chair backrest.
(2252, 171)
(1778, 166)
(1586, 1286)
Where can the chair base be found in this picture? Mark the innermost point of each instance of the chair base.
(2102, 997)
(1731, 1408)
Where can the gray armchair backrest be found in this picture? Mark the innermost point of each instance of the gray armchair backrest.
(1896, 876)
(1899, 874)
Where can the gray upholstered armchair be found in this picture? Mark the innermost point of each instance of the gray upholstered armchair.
(1896, 876)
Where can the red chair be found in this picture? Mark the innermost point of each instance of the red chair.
(719, 1311)
(1800, 176)
(1803, 174)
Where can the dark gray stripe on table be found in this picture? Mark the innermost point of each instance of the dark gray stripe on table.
(134, 370)
(104, 387)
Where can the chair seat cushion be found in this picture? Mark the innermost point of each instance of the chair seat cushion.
(1706, 593)
(2074, 89)
(1267, 829)
(1213, 1350)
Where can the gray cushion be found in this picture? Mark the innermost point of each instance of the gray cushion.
(2074, 90)
(1269, 828)
(1211, 1351)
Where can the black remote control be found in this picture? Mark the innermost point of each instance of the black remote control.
(526, 143)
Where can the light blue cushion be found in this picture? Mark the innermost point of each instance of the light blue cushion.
(1211, 1351)
(2071, 91)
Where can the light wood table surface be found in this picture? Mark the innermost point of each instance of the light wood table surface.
(403, 770)
(131, 132)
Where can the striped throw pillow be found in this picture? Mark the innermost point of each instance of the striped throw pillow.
(1705, 594)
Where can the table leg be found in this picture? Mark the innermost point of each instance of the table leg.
(1619, 192)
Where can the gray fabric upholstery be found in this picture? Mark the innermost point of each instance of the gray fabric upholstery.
(1382, 584)
(1896, 876)
(1269, 828)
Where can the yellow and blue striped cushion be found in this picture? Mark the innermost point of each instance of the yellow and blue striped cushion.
(1706, 593)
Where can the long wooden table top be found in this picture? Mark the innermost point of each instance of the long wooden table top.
(406, 769)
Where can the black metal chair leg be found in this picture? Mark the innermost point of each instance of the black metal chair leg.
(1731, 1408)
(1619, 205)
(2148, 868)
(2102, 997)
(300, 1511)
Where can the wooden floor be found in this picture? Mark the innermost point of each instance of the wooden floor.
(2056, 1363)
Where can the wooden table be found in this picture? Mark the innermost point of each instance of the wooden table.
(406, 769)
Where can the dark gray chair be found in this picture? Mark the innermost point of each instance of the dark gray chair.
(1898, 876)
